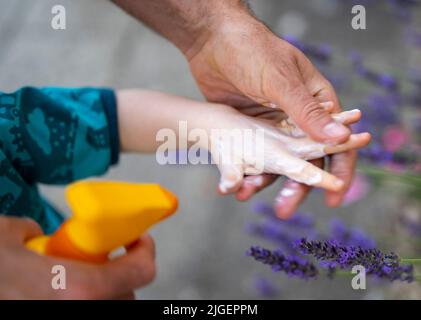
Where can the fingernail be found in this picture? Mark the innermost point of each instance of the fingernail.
(335, 130)
(327, 105)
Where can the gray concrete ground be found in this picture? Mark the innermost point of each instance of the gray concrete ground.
(200, 251)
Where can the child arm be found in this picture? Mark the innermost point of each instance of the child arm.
(285, 150)
(143, 113)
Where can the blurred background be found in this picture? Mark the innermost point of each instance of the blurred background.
(200, 251)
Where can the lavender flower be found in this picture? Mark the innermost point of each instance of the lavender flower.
(384, 80)
(273, 234)
(292, 266)
(383, 109)
(385, 266)
(404, 8)
(377, 154)
(279, 235)
(299, 219)
(411, 224)
(283, 233)
(349, 236)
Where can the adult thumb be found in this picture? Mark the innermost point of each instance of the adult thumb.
(19, 229)
(311, 116)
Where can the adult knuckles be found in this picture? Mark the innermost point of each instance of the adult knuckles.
(311, 112)
(8, 222)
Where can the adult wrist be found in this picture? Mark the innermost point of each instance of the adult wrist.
(221, 16)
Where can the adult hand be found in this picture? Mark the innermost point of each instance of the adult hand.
(245, 65)
(27, 275)
(237, 60)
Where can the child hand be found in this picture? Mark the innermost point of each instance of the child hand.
(285, 151)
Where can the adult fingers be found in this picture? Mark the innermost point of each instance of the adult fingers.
(19, 229)
(298, 91)
(293, 194)
(289, 197)
(347, 117)
(305, 172)
(310, 116)
(342, 165)
(355, 141)
(133, 270)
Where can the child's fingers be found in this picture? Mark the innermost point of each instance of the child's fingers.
(341, 165)
(355, 141)
(347, 117)
(314, 176)
(231, 178)
(304, 172)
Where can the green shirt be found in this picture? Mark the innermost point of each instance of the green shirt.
(52, 136)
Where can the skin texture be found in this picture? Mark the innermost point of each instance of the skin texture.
(236, 60)
(27, 275)
(284, 151)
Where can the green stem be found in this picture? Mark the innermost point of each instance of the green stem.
(417, 277)
(405, 177)
(410, 260)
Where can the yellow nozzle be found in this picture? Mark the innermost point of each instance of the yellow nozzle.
(106, 216)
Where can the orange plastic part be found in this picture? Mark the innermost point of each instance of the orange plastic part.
(106, 215)
(60, 245)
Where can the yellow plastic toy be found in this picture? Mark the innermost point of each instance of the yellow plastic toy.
(106, 216)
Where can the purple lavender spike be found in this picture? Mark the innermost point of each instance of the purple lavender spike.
(385, 266)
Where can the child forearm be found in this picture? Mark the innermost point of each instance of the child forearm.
(142, 113)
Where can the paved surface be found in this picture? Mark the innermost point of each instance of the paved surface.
(200, 250)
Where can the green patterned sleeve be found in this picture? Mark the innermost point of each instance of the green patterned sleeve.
(57, 135)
